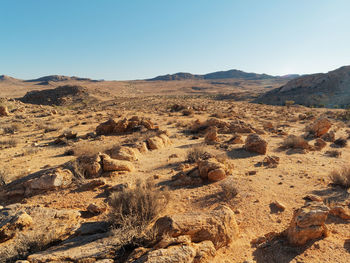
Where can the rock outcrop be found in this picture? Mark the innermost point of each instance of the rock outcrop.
(254, 143)
(320, 90)
(218, 226)
(4, 111)
(133, 124)
(308, 223)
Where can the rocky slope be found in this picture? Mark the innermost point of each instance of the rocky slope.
(331, 90)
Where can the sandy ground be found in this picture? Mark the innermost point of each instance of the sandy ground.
(297, 174)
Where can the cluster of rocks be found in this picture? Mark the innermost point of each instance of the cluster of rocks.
(189, 237)
(133, 124)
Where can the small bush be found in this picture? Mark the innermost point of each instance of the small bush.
(295, 142)
(341, 142)
(9, 143)
(11, 129)
(197, 153)
(229, 190)
(333, 153)
(137, 207)
(341, 177)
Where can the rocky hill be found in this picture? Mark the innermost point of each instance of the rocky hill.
(331, 90)
(58, 78)
(62, 95)
(229, 74)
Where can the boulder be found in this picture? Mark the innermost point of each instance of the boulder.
(90, 165)
(124, 153)
(254, 143)
(213, 167)
(271, 161)
(308, 223)
(201, 252)
(158, 142)
(52, 179)
(4, 111)
(106, 128)
(320, 127)
(218, 226)
(110, 165)
(217, 175)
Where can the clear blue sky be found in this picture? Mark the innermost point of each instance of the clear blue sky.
(135, 39)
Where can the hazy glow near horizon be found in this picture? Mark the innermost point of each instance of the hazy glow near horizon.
(138, 39)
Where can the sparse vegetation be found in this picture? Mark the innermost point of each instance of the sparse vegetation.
(134, 209)
(341, 177)
(229, 190)
(9, 143)
(341, 142)
(11, 129)
(197, 153)
(333, 153)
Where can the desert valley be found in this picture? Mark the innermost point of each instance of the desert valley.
(223, 167)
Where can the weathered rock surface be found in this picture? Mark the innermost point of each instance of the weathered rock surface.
(122, 126)
(39, 182)
(124, 153)
(110, 165)
(158, 142)
(219, 226)
(211, 170)
(308, 223)
(254, 143)
(320, 127)
(90, 165)
(22, 227)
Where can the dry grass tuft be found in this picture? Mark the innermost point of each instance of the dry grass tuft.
(333, 153)
(197, 153)
(229, 190)
(11, 129)
(10, 143)
(341, 142)
(341, 177)
(88, 149)
(134, 209)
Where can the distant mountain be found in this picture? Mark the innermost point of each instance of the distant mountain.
(58, 78)
(7, 78)
(330, 89)
(229, 74)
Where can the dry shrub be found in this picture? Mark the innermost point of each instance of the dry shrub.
(341, 142)
(229, 190)
(11, 129)
(9, 143)
(132, 210)
(333, 153)
(137, 206)
(295, 142)
(341, 177)
(197, 153)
